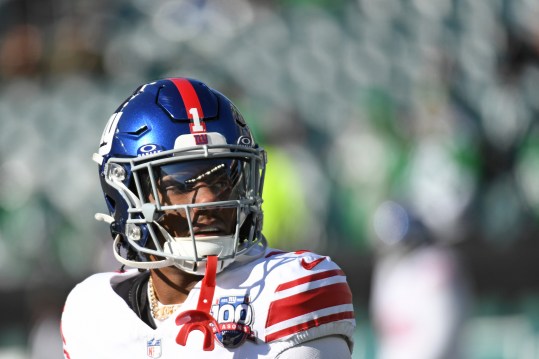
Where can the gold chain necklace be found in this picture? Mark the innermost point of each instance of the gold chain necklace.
(159, 310)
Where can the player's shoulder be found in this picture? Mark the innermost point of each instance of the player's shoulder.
(300, 263)
(96, 288)
(103, 280)
(302, 271)
(93, 312)
(310, 297)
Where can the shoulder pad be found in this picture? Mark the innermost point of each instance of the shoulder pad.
(312, 292)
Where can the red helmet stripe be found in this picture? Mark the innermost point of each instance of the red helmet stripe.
(189, 96)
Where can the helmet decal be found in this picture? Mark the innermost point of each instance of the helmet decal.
(149, 149)
(108, 133)
(197, 125)
(245, 141)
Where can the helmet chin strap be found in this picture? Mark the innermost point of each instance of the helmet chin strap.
(138, 264)
(200, 318)
(135, 264)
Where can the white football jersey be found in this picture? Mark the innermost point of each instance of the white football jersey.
(262, 308)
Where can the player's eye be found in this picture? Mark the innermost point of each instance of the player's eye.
(173, 187)
(220, 184)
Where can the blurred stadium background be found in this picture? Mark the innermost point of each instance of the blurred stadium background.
(377, 114)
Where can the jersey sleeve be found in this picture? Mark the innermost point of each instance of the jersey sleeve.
(311, 300)
(93, 311)
(326, 347)
(73, 322)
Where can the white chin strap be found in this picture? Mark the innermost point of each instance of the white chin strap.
(135, 264)
(180, 247)
(176, 245)
(138, 264)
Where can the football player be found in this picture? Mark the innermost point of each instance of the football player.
(182, 178)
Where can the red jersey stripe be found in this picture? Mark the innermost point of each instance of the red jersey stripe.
(309, 278)
(308, 301)
(62, 332)
(309, 324)
(189, 96)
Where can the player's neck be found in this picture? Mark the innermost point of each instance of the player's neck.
(172, 286)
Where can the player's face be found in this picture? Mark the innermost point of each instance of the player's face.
(198, 182)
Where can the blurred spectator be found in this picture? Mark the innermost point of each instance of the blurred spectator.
(420, 294)
(21, 52)
(75, 48)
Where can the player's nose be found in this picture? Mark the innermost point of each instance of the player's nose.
(205, 194)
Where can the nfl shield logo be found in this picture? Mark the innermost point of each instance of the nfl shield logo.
(153, 349)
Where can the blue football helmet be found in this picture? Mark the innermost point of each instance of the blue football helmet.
(182, 177)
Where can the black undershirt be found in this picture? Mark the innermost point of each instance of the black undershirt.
(134, 291)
